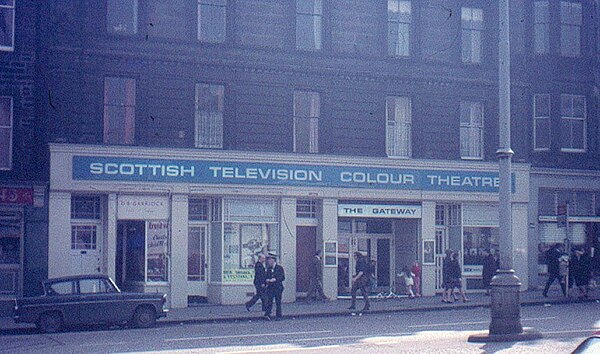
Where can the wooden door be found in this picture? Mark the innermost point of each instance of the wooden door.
(306, 246)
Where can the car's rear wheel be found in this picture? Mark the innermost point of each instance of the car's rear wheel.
(144, 317)
(50, 322)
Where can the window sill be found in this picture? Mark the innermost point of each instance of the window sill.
(471, 158)
(573, 151)
(396, 157)
(541, 150)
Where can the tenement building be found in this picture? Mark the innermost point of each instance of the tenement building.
(189, 136)
(23, 158)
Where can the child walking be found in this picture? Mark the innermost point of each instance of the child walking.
(409, 280)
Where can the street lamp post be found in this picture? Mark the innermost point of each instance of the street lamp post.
(505, 297)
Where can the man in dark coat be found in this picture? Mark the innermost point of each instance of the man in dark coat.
(361, 280)
(274, 291)
(490, 266)
(315, 285)
(552, 260)
(581, 270)
(260, 275)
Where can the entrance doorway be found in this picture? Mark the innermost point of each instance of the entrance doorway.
(375, 242)
(197, 260)
(306, 246)
(131, 243)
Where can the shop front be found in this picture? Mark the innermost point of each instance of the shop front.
(564, 209)
(192, 223)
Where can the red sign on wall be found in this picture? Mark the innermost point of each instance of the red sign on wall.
(16, 196)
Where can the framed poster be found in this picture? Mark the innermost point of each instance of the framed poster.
(429, 252)
(330, 255)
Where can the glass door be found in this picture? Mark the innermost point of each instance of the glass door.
(197, 260)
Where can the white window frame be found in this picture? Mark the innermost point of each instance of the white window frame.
(106, 132)
(213, 125)
(10, 128)
(536, 118)
(94, 223)
(542, 24)
(10, 48)
(134, 24)
(306, 208)
(398, 23)
(571, 118)
(207, 4)
(564, 25)
(314, 14)
(313, 139)
(401, 145)
(472, 127)
(471, 28)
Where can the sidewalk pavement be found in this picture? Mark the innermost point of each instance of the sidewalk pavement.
(233, 313)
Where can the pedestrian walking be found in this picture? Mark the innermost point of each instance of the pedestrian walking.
(408, 278)
(581, 269)
(446, 277)
(490, 266)
(360, 281)
(315, 285)
(416, 270)
(260, 275)
(552, 260)
(456, 277)
(274, 289)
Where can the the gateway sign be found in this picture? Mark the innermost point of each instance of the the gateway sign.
(258, 173)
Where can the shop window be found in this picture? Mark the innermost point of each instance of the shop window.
(573, 123)
(83, 237)
(306, 208)
(209, 116)
(571, 19)
(398, 126)
(212, 17)
(119, 110)
(471, 130)
(541, 27)
(448, 214)
(477, 243)
(472, 35)
(546, 202)
(541, 122)
(85, 207)
(250, 227)
(309, 20)
(7, 25)
(307, 106)
(157, 251)
(344, 225)
(399, 22)
(6, 132)
(198, 209)
(122, 16)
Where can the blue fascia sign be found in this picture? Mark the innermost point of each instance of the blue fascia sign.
(91, 168)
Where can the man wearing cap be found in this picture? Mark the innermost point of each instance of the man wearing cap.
(274, 280)
(361, 280)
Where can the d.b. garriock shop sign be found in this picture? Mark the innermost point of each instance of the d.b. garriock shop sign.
(90, 168)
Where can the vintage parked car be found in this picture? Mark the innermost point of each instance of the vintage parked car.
(85, 300)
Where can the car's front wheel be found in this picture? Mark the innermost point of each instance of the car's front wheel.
(144, 317)
(50, 322)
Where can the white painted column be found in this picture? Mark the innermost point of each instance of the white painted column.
(59, 235)
(520, 231)
(328, 227)
(428, 233)
(288, 247)
(111, 235)
(179, 249)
